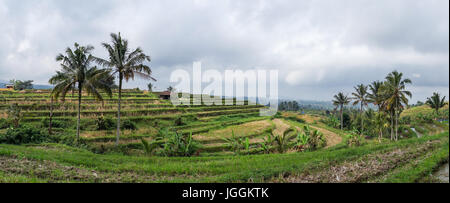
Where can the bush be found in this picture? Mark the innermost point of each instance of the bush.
(25, 134)
(45, 122)
(316, 140)
(103, 123)
(4, 123)
(180, 145)
(128, 125)
(355, 140)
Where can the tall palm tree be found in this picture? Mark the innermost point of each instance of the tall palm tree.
(76, 71)
(126, 65)
(360, 97)
(375, 95)
(436, 102)
(340, 100)
(396, 96)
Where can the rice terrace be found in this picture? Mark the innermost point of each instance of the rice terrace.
(93, 120)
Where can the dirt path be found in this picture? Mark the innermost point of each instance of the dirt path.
(332, 138)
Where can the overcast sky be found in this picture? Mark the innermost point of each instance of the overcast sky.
(320, 47)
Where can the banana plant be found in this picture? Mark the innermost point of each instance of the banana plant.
(283, 140)
(267, 143)
(301, 141)
(235, 143)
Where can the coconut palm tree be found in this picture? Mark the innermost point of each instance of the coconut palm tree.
(436, 102)
(375, 95)
(126, 64)
(76, 71)
(360, 97)
(340, 100)
(396, 97)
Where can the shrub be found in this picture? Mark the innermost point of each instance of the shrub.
(149, 148)
(181, 145)
(103, 123)
(235, 143)
(316, 140)
(4, 123)
(282, 141)
(25, 134)
(15, 114)
(45, 122)
(301, 142)
(128, 125)
(355, 140)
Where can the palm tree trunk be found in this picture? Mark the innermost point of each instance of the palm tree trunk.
(362, 119)
(342, 118)
(118, 110)
(396, 121)
(79, 112)
(392, 125)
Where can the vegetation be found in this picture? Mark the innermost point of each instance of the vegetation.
(77, 72)
(22, 85)
(73, 129)
(126, 64)
(436, 102)
(340, 100)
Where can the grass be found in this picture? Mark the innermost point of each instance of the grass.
(422, 170)
(257, 168)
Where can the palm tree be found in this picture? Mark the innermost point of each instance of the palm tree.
(340, 100)
(150, 87)
(375, 95)
(76, 70)
(436, 102)
(396, 95)
(126, 64)
(170, 89)
(360, 97)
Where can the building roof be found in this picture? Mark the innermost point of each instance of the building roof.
(165, 93)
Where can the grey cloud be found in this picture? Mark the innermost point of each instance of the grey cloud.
(328, 45)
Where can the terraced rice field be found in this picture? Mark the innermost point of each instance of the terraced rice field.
(208, 124)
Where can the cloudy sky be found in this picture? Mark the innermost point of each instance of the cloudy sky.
(319, 47)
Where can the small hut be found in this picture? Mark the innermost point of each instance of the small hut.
(164, 95)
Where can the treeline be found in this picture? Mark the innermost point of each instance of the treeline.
(390, 97)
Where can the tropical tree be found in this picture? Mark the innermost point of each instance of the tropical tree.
(126, 64)
(436, 102)
(76, 71)
(375, 95)
(150, 87)
(340, 100)
(361, 97)
(396, 97)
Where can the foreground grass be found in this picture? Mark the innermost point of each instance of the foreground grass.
(66, 164)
